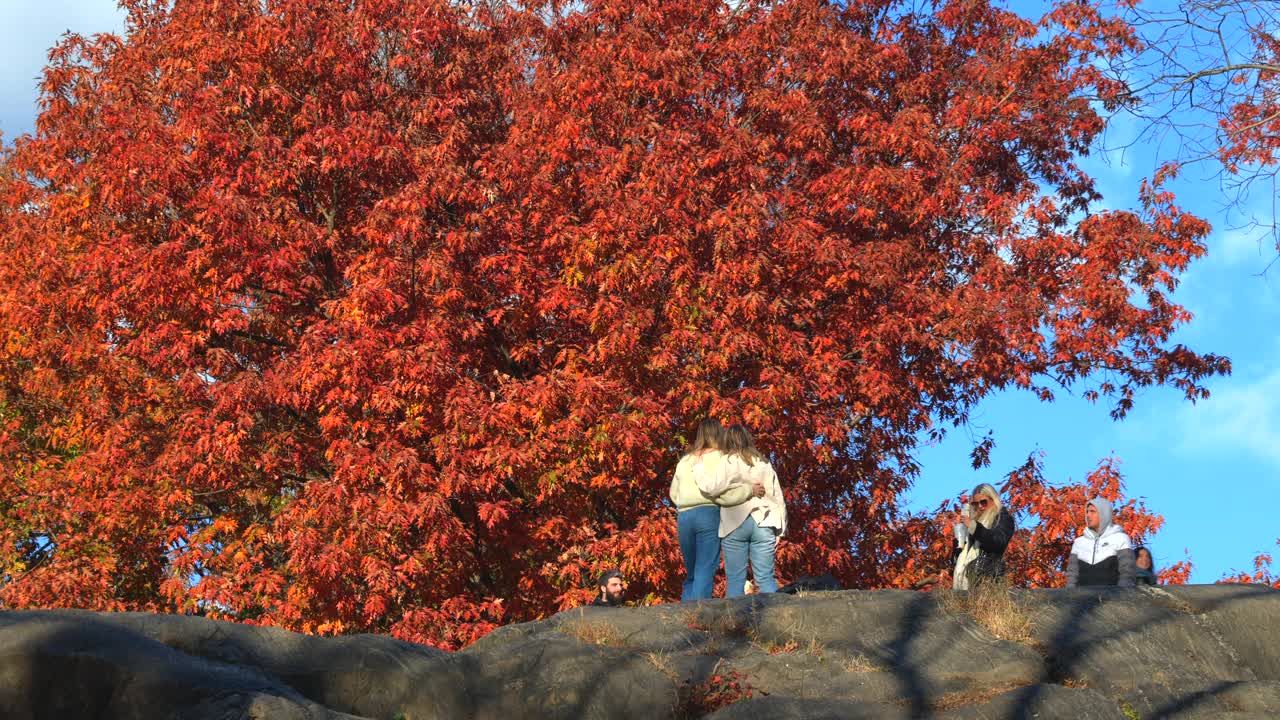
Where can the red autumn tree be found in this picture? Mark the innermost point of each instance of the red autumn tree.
(1049, 517)
(393, 315)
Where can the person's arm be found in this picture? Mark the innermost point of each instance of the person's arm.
(1073, 569)
(775, 497)
(714, 480)
(721, 481)
(735, 494)
(995, 540)
(773, 489)
(1128, 564)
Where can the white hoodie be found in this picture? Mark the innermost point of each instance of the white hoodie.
(1091, 552)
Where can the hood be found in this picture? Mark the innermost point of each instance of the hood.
(1105, 525)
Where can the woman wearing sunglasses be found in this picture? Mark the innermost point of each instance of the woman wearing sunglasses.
(983, 531)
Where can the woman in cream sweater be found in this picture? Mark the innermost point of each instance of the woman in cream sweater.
(701, 483)
(750, 531)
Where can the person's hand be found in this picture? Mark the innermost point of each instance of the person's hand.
(969, 523)
(757, 489)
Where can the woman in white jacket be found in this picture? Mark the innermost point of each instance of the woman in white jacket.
(750, 531)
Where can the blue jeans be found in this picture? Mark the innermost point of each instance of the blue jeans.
(699, 530)
(757, 542)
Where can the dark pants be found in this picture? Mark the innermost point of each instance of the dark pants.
(699, 530)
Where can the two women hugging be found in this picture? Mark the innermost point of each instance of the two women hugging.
(727, 493)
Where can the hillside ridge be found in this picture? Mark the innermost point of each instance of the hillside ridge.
(1189, 652)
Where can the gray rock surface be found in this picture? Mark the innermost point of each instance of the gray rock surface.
(1115, 639)
(790, 708)
(1243, 616)
(1041, 701)
(75, 665)
(1191, 652)
(1202, 701)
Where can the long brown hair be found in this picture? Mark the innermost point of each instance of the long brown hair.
(710, 435)
(739, 441)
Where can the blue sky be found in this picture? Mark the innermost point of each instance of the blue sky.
(28, 28)
(1212, 469)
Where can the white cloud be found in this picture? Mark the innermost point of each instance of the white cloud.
(1241, 416)
(1252, 245)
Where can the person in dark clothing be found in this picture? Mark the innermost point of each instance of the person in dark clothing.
(1146, 572)
(612, 590)
(1103, 555)
(983, 531)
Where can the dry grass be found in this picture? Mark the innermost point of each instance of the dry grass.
(662, 663)
(992, 606)
(775, 648)
(1075, 684)
(714, 647)
(953, 700)
(859, 664)
(593, 633)
(815, 648)
(794, 639)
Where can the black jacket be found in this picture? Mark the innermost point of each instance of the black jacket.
(992, 543)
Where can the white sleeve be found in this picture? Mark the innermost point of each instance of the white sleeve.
(775, 489)
(715, 482)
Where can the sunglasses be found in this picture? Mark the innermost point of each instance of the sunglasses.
(981, 503)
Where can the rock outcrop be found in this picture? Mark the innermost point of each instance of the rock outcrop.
(1188, 652)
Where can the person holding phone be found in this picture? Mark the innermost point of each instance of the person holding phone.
(983, 530)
